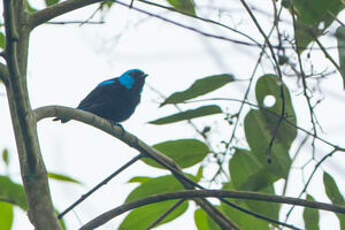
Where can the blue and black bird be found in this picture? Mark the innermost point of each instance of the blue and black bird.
(114, 99)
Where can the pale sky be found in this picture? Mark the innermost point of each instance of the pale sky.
(66, 62)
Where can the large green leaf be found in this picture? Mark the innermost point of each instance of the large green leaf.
(334, 195)
(185, 152)
(61, 177)
(340, 34)
(312, 14)
(6, 216)
(12, 192)
(248, 173)
(261, 125)
(185, 6)
(188, 115)
(311, 216)
(199, 87)
(142, 217)
(203, 221)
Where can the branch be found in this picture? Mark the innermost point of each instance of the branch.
(12, 38)
(34, 175)
(133, 141)
(105, 217)
(48, 13)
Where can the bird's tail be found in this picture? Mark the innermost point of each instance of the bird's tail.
(61, 119)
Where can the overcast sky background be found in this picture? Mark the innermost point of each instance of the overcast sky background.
(66, 62)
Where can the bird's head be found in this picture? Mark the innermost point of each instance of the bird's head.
(133, 79)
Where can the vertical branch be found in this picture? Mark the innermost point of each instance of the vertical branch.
(34, 175)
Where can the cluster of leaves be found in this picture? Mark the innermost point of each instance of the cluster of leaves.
(249, 169)
(13, 195)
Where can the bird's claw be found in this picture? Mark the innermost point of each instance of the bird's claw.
(120, 126)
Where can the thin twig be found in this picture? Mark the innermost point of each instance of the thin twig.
(202, 19)
(165, 214)
(310, 177)
(190, 27)
(304, 82)
(105, 181)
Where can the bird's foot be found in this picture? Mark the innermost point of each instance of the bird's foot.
(120, 126)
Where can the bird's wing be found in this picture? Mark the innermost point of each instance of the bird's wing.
(99, 97)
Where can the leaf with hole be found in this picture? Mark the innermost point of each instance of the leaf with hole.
(199, 87)
(267, 124)
(188, 115)
(185, 152)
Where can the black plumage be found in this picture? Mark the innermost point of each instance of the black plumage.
(114, 99)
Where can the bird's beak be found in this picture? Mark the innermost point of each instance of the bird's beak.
(145, 75)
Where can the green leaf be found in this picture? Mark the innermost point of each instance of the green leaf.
(62, 177)
(2, 40)
(188, 115)
(5, 156)
(334, 195)
(248, 173)
(61, 221)
(12, 192)
(6, 216)
(200, 173)
(340, 34)
(185, 152)
(153, 186)
(29, 8)
(311, 216)
(310, 15)
(142, 217)
(51, 2)
(203, 222)
(199, 87)
(185, 6)
(246, 222)
(261, 125)
(139, 179)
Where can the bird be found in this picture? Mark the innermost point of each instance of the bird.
(114, 99)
